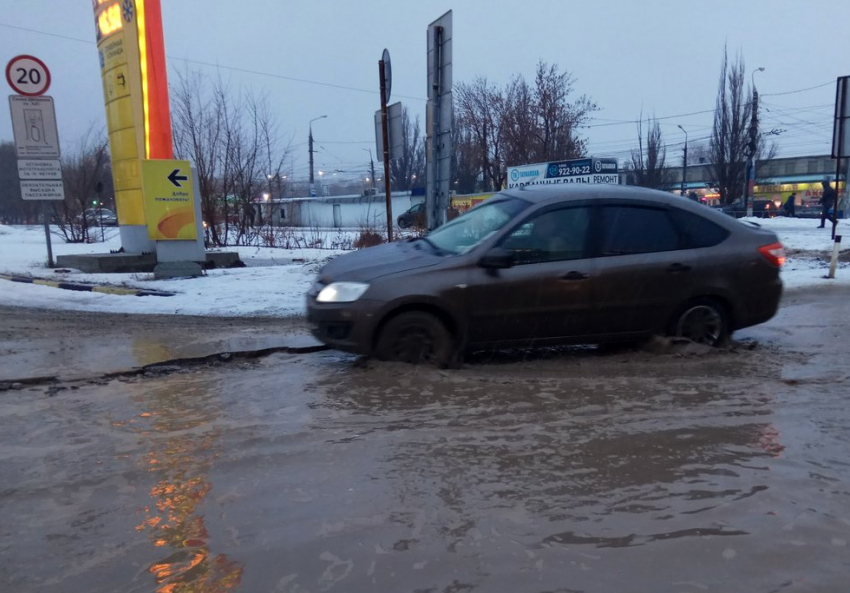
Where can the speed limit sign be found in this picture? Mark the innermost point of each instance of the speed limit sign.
(28, 76)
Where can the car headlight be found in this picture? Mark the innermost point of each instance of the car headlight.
(341, 292)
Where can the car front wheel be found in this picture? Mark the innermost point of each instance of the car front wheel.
(415, 337)
(703, 321)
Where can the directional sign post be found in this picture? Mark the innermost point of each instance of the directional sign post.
(36, 136)
(169, 200)
(385, 76)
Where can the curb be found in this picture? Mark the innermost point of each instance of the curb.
(87, 287)
(165, 366)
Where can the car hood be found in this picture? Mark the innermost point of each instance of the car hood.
(368, 264)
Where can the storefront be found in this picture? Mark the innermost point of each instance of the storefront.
(808, 193)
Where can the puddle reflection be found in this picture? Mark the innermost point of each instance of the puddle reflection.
(177, 424)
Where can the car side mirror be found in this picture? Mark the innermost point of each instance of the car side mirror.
(497, 259)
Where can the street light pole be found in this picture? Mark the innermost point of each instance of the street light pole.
(310, 149)
(684, 163)
(372, 168)
(751, 152)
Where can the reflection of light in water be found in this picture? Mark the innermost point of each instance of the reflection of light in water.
(146, 351)
(181, 463)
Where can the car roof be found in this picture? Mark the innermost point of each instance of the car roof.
(540, 195)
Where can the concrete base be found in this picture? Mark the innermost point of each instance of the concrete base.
(134, 239)
(128, 263)
(108, 263)
(177, 269)
(223, 259)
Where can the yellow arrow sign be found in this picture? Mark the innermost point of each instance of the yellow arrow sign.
(169, 200)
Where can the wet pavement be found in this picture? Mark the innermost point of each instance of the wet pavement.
(664, 469)
(69, 345)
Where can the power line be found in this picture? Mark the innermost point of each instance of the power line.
(289, 78)
(811, 88)
(634, 121)
(222, 67)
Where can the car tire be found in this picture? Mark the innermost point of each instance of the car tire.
(415, 337)
(703, 321)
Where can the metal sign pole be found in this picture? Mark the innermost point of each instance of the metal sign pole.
(386, 135)
(835, 201)
(46, 218)
(839, 137)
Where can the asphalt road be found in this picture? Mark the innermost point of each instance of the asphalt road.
(664, 469)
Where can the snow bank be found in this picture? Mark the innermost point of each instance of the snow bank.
(275, 280)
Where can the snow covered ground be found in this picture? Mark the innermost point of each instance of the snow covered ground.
(275, 280)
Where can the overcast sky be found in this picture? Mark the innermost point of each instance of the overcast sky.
(320, 57)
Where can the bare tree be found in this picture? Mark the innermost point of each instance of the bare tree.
(197, 123)
(730, 135)
(82, 172)
(479, 110)
(542, 124)
(649, 158)
(408, 169)
(234, 142)
(522, 123)
(465, 162)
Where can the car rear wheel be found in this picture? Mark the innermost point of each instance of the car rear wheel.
(704, 321)
(415, 337)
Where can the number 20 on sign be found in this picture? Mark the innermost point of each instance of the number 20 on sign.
(28, 76)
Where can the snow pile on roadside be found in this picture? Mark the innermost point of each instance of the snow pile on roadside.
(275, 280)
(801, 234)
(273, 284)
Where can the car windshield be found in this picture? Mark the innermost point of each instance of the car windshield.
(470, 229)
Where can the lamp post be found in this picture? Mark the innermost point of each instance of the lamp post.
(751, 147)
(310, 148)
(684, 163)
(372, 168)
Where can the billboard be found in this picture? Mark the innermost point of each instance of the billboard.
(586, 170)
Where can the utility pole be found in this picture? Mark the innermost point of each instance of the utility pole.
(310, 149)
(684, 164)
(751, 147)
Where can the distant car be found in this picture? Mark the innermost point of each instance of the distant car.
(413, 216)
(100, 217)
(544, 266)
(761, 209)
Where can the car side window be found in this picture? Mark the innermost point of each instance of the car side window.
(555, 235)
(636, 229)
(696, 231)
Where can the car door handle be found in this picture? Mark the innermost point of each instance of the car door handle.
(676, 268)
(575, 276)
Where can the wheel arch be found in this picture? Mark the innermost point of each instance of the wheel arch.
(717, 296)
(446, 318)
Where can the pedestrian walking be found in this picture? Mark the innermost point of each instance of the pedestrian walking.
(827, 203)
(790, 206)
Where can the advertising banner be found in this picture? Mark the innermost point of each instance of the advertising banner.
(587, 170)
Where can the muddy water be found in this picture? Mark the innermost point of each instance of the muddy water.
(565, 471)
(658, 470)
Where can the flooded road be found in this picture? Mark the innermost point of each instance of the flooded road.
(665, 469)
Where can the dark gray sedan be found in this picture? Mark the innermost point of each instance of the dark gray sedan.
(545, 266)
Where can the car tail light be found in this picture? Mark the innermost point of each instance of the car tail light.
(774, 253)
